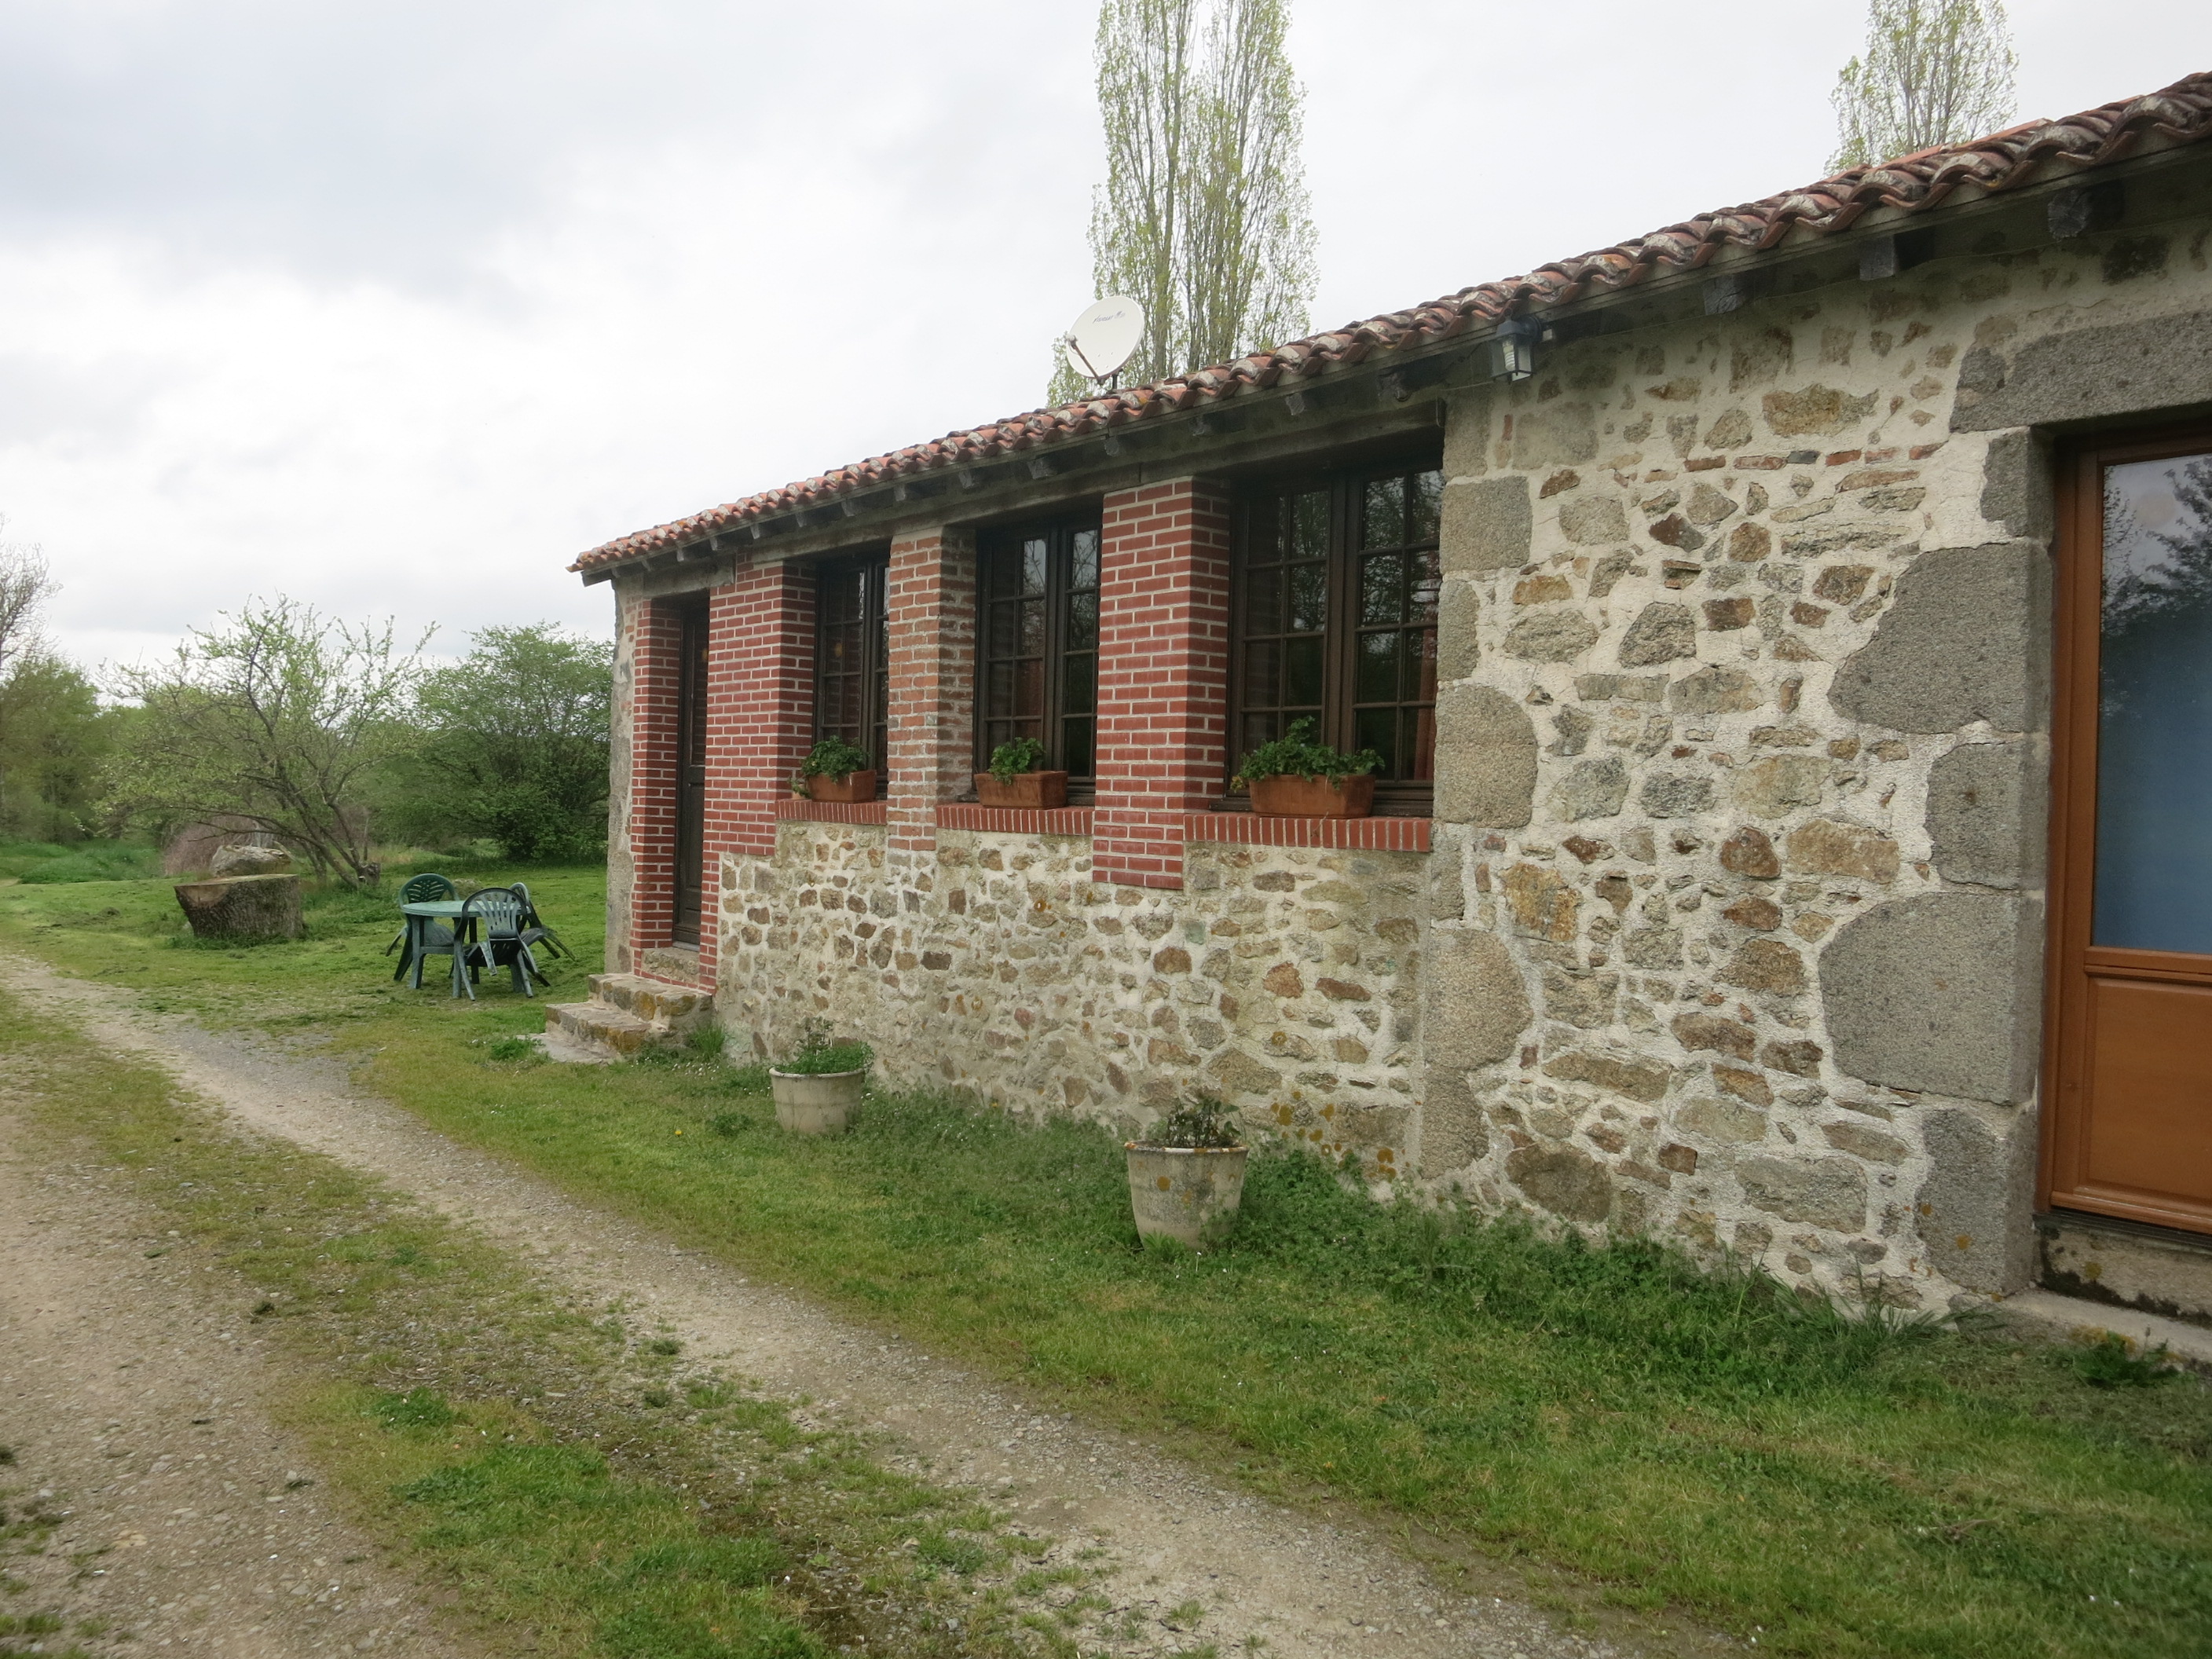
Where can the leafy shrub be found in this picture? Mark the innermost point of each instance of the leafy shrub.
(818, 1053)
(1010, 760)
(1296, 755)
(834, 757)
(1203, 1120)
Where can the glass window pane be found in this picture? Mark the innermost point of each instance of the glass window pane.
(1076, 740)
(1082, 621)
(1028, 687)
(1424, 497)
(1375, 675)
(1079, 684)
(1383, 517)
(1301, 673)
(1083, 562)
(1419, 658)
(1034, 563)
(1263, 602)
(1307, 527)
(1308, 599)
(1383, 587)
(1259, 728)
(1263, 674)
(2154, 874)
(999, 689)
(1421, 744)
(1377, 729)
(1031, 613)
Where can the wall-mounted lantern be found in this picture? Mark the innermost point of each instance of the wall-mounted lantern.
(1512, 349)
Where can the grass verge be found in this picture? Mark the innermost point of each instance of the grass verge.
(1677, 1439)
(583, 1487)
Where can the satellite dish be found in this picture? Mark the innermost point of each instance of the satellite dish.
(1100, 340)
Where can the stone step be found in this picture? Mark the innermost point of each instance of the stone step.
(671, 1007)
(614, 1029)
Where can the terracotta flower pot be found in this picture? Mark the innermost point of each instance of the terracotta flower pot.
(1188, 1194)
(817, 1103)
(1313, 798)
(852, 786)
(1031, 789)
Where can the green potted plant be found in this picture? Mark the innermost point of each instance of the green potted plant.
(1295, 777)
(836, 770)
(1014, 778)
(1186, 1174)
(817, 1085)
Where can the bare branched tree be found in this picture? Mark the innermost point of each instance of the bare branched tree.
(1203, 218)
(280, 716)
(25, 584)
(1935, 72)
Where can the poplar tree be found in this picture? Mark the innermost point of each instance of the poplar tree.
(1203, 218)
(1934, 72)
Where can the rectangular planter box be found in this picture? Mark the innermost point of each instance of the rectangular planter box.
(1313, 798)
(1043, 790)
(852, 786)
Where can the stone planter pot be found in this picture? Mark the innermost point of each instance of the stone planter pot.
(852, 788)
(1185, 1192)
(1043, 790)
(817, 1103)
(1313, 798)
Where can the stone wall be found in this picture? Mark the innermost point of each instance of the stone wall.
(1283, 978)
(1747, 631)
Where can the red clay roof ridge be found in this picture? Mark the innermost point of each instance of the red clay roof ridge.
(2179, 114)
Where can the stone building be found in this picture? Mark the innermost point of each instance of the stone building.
(1726, 604)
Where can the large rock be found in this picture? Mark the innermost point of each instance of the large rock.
(1661, 633)
(245, 908)
(1972, 1212)
(1966, 638)
(2080, 373)
(1563, 1181)
(1987, 814)
(1591, 789)
(1486, 758)
(1938, 993)
(1488, 523)
(1821, 1190)
(250, 862)
(1476, 1007)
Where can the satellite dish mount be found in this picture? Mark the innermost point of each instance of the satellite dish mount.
(1104, 338)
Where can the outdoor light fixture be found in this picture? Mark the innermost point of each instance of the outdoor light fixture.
(1512, 349)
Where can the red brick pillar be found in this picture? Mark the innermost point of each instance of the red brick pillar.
(1162, 676)
(658, 637)
(760, 690)
(760, 717)
(932, 603)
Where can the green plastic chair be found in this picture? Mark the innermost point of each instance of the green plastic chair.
(497, 914)
(425, 889)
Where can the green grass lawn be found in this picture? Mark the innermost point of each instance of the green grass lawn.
(1675, 1439)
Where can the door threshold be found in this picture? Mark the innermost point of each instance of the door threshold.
(2153, 1270)
(2074, 1319)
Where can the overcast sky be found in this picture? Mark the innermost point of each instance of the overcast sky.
(398, 308)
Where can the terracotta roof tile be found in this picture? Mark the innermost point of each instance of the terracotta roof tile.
(2028, 152)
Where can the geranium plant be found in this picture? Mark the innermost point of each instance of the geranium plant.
(1010, 760)
(819, 1052)
(1296, 755)
(1200, 1122)
(833, 757)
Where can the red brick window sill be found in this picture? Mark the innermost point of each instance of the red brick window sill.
(832, 812)
(1378, 834)
(1015, 820)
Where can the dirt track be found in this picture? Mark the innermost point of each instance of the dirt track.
(1308, 1587)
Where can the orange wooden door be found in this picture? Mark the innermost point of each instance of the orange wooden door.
(2129, 1131)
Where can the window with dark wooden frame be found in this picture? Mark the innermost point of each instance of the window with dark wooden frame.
(852, 656)
(1038, 666)
(1336, 621)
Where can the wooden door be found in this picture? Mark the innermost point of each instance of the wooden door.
(690, 775)
(2129, 1131)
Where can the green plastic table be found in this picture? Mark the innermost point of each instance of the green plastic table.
(419, 916)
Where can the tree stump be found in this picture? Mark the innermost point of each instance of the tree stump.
(248, 908)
